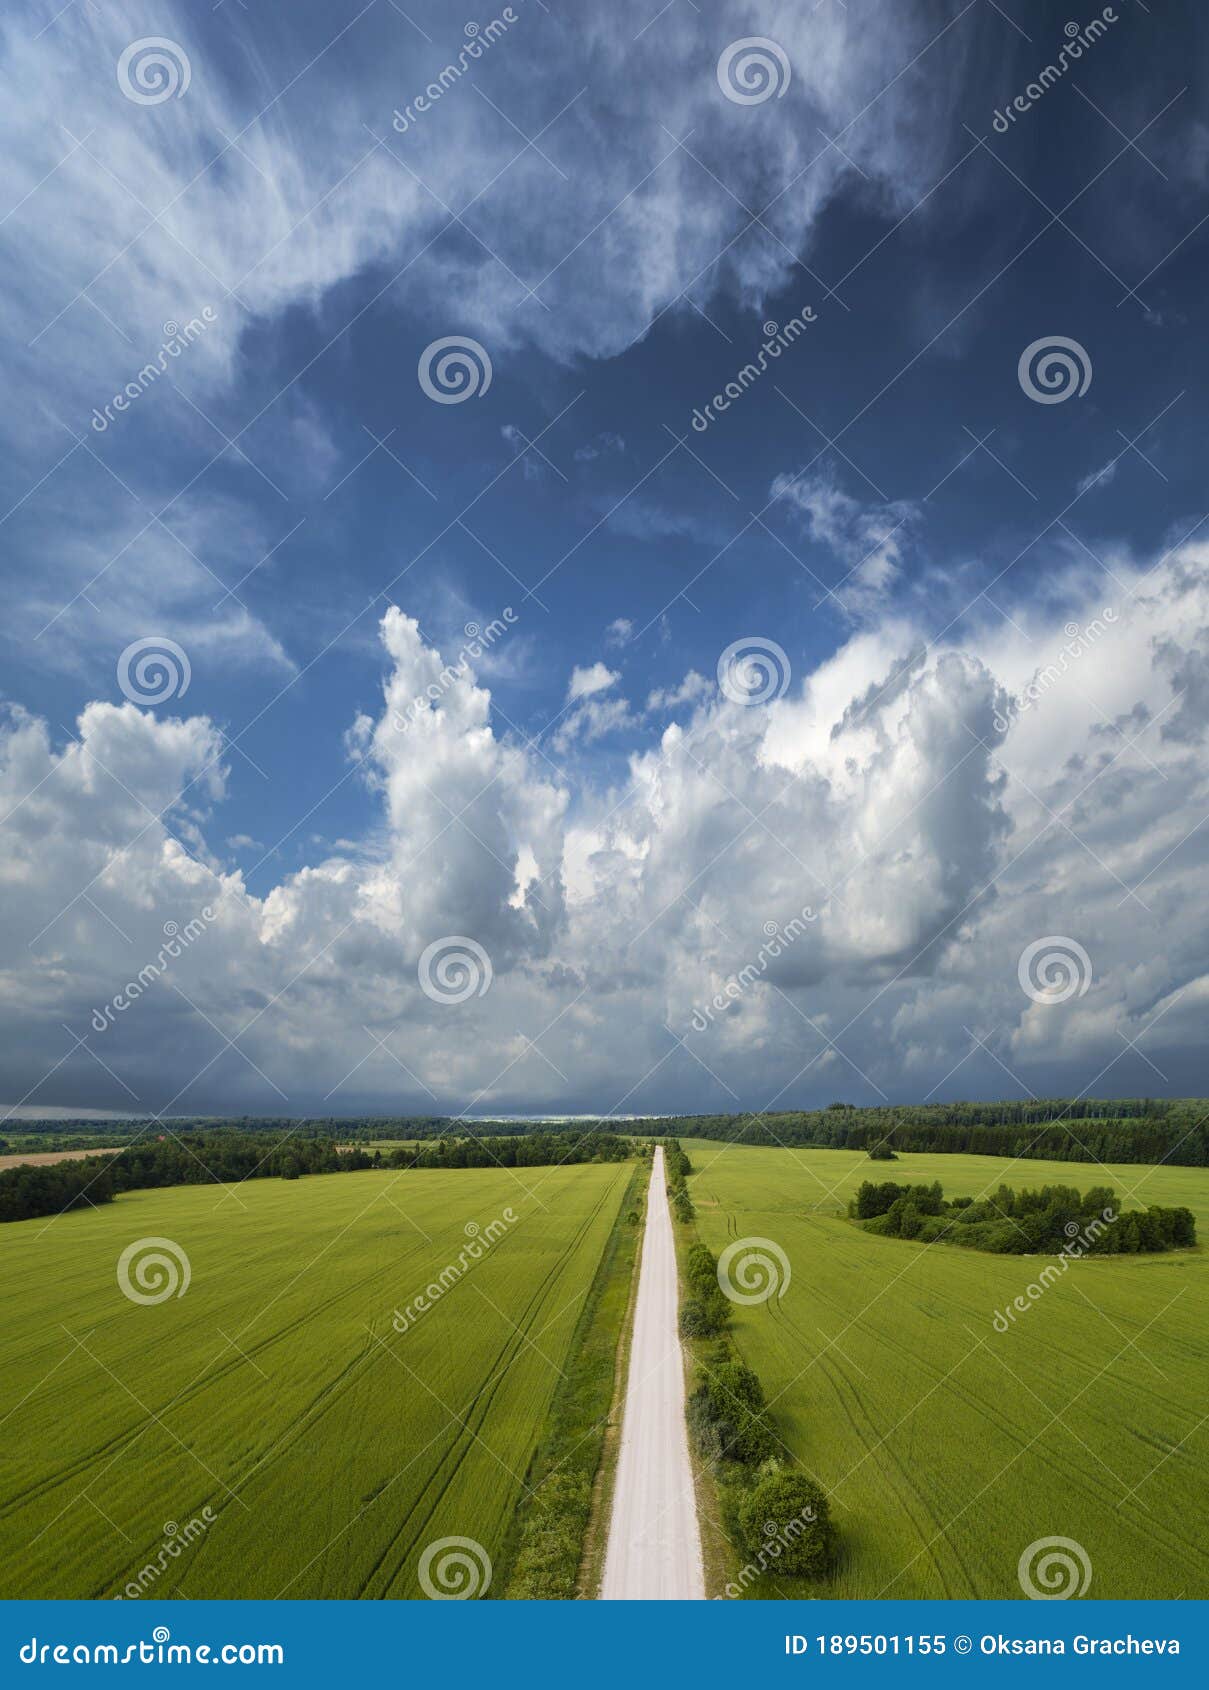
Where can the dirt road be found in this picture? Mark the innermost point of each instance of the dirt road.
(654, 1547)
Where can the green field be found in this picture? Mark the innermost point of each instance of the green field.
(949, 1447)
(329, 1449)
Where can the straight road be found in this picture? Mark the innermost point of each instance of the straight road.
(654, 1547)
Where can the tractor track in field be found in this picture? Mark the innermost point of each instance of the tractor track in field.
(204, 1381)
(469, 1421)
(1097, 1481)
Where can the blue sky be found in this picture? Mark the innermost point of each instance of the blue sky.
(614, 831)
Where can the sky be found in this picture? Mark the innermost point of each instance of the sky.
(602, 559)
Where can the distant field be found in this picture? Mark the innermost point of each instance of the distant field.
(950, 1447)
(27, 1158)
(330, 1449)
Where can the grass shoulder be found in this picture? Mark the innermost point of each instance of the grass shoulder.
(556, 1542)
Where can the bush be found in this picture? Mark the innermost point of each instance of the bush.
(734, 1407)
(703, 1317)
(701, 1268)
(803, 1540)
(682, 1205)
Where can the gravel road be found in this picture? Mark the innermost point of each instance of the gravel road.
(654, 1547)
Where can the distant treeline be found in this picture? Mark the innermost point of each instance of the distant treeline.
(1149, 1130)
(227, 1156)
(533, 1150)
(88, 1133)
(1053, 1218)
(1054, 1129)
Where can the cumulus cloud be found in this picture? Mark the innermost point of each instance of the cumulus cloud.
(595, 677)
(869, 855)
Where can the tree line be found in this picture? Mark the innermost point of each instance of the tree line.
(732, 1428)
(1051, 1218)
(676, 1167)
(1147, 1130)
(228, 1156)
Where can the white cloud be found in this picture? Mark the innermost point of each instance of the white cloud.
(594, 719)
(1098, 477)
(258, 194)
(929, 848)
(691, 690)
(595, 677)
(868, 540)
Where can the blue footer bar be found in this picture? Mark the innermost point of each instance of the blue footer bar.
(529, 1643)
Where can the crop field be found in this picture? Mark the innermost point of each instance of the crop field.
(270, 1422)
(950, 1447)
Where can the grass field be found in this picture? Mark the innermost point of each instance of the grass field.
(950, 1447)
(328, 1448)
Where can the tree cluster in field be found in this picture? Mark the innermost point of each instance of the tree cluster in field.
(732, 1429)
(1174, 1130)
(677, 1168)
(228, 1156)
(1052, 1218)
